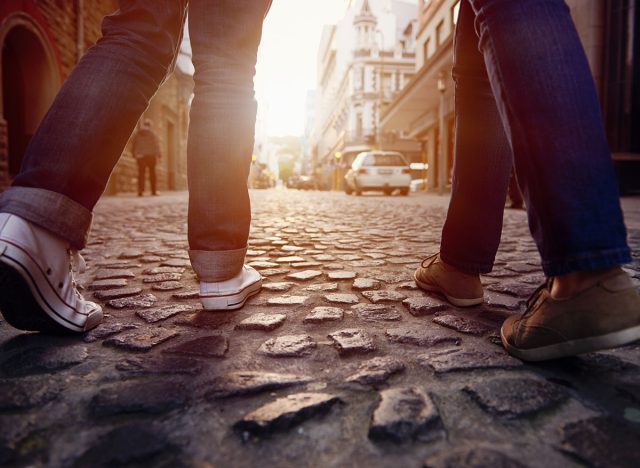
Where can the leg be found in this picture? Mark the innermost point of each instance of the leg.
(141, 166)
(152, 174)
(548, 103)
(225, 35)
(483, 160)
(67, 165)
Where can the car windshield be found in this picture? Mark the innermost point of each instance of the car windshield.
(389, 159)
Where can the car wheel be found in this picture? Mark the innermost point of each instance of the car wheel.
(347, 189)
(387, 192)
(404, 191)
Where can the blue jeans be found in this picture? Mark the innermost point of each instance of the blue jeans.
(525, 97)
(72, 154)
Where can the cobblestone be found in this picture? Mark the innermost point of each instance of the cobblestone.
(162, 382)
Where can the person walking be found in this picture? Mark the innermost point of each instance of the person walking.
(46, 213)
(525, 96)
(146, 151)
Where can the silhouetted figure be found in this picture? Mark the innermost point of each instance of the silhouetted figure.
(146, 151)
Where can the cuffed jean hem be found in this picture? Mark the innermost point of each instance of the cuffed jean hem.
(587, 261)
(467, 267)
(221, 265)
(52, 211)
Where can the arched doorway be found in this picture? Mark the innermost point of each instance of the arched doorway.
(29, 83)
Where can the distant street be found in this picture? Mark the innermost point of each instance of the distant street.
(340, 361)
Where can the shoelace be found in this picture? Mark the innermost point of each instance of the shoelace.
(431, 259)
(536, 295)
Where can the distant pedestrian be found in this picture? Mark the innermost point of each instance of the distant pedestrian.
(146, 151)
(46, 214)
(525, 95)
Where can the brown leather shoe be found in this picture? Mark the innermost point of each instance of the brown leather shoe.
(602, 316)
(460, 289)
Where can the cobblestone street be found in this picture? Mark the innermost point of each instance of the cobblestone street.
(339, 361)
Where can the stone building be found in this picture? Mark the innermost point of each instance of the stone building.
(40, 43)
(363, 62)
(610, 32)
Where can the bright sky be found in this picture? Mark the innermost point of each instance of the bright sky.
(287, 59)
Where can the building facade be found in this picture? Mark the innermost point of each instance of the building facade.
(40, 43)
(610, 33)
(363, 62)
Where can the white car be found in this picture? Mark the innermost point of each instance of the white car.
(383, 171)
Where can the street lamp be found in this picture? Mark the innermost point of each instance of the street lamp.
(442, 86)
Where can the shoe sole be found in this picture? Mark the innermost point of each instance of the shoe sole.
(456, 301)
(231, 301)
(28, 307)
(573, 347)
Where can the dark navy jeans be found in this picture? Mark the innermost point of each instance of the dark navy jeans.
(72, 154)
(525, 97)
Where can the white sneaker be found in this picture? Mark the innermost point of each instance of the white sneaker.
(233, 293)
(37, 289)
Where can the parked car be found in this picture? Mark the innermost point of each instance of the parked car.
(384, 171)
(301, 182)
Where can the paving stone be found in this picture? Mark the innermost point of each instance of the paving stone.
(367, 263)
(421, 337)
(255, 253)
(162, 277)
(515, 397)
(340, 298)
(463, 325)
(117, 293)
(305, 265)
(129, 445)
(324, 258)
(286, 412)
(139, 397)
(472, 457)
(523, 267)
(131, 254)
(206, 319)
(409, 285)
(334, 266)
(278, 286)
(177, 262)
(493, 299)
(153, 365)
(287, 346)
(41, 360)
(137, 302)
(292, 248)
(451, 360)
(322, 287)
(376, 370)
(512, 288)
(249, 382)
(107, 329)
(393, 278)
(266, 322)
(262, 265)
(403, 414)
(341, 275)
(102, 285)
(140, 340)
(192, 294)
(205, 346)
(151, 259)
(403, 260)
(163, 270)
(24, 394)
(384, 296)
(167, 286)
(365, 283)
(423, 305)
(112, 273)
(162, 313)
(352, 340)
(290, 259)
(324, 314)
(602, 442)
(349, 257)
(287, 300)
(305, 275)
(377, 312)
(273, 272)
(116, 265)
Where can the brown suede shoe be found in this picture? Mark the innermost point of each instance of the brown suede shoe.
(459, 288)
(602, 316)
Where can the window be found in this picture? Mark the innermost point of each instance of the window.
(439, 33)
(427, 46)
(455, 11)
